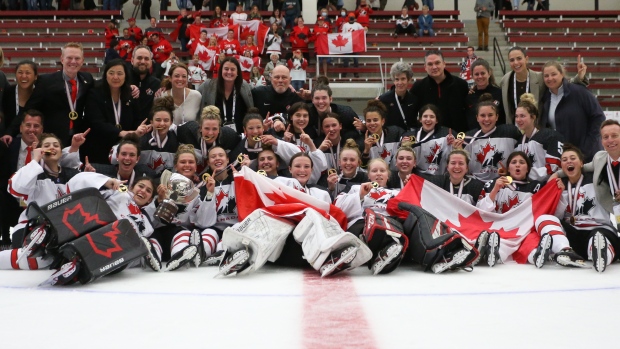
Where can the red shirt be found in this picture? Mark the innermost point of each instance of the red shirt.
(136, 32)
(109, 35)
(230, 47)
(363, 15)
(161, 50)
(321, 29)
(298, 42)
(126, 47)
(254, 52)
(340, 21)
(219, 23)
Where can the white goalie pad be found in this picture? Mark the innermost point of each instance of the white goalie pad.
(319, 237)
(262, 233)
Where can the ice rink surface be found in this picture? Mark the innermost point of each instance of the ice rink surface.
(508, 306)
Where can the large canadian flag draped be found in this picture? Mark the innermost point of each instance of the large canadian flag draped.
(341, 43)
(257, 191)
(256, 28)
(512, 226)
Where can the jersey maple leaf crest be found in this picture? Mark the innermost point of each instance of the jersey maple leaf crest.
(380, 195)
(156, 162)
(434, 157)
(340, 41)
(489, 156)
(475, 223)
(507, 205)
(385, 153)
(586, 205)
(133, 208)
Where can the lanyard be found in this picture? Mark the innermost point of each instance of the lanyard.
(335, 156)
(514, 86)
(160, 143)
(72, 104)
(572, 201)
(16, 100)
(425, 137)
(205, 148)
(473, 139)
(233, 107)
(460, 188)
(131, 178)
(613, 183)
(400, 108)
(117, 111)
(523, 149)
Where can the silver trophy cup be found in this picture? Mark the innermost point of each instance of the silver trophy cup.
(180, 190)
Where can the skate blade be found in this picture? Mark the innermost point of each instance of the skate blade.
(458, 258)
(26, 251)
(567, 262)
(176, 264)
(377, 267)
(331, 268)
(225, 269)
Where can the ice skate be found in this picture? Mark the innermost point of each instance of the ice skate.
(181, 258)
(493, 249)
(151, 260)
(66, 275)
(234, 263)
(542, 251)
(391, 254)
(481, 246)
(599, 251)
(215, 259)
(35, 243)
(455, 261)
(338, 260)
(568, 258)
(195, 239)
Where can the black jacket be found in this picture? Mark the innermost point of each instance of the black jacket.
(189, 133)
(346, 113)
(148, 86)
(472, 105)
(268, 101)
(408, 104)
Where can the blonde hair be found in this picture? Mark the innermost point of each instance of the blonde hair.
(556, 65)
(210, 112)
(72, 45)
(425, 7)
(184, 149)
(528, 102)
(380, 160)
(350, 144)
(406, 147)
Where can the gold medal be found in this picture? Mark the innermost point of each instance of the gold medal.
(572, 220)
(262, 173)
(375, 185)
(375, 136)
(256, 138)
(73, 115)
(118, 126)
(240, 158)
(460, 135)
(509, 179)
(205, 177)
(47, 153)
(331, 171)
(206, 138)
(122, 188)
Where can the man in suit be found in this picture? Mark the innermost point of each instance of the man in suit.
(62, 95)
(610, 134)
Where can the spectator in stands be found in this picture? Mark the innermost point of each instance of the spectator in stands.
(63, 95)
(135, 31)
(239, 15)
(25, 78)
(362, 13)
(196, 74)
(161, 50)
(484, 11)
(197, 46)
(168, 63)
(197, 25)
(322, 27)
(254, 14)
(292, 11)
(107, 5)
(229, 92)
(541, 5)
(525, 80)
(444, 90)
(184, 4)
(429, 3)
(148, 84)
(399, 101)
(350, 26)
(411, 4)
(251, 47)
(277, 97)
(484, 82)
(217, 13)
(110, 112)
(126, 45)
(230, 46)
(298, 65)
(322, 104)
(111, 32)
(404, 24)
(466, 73)
(153, 28)
(224, 21)
(572, 110)
(145, 9)
(112, 52)
(183, 20)
(186, 101)
(273, 44)
(300, 37)
(274, 62)
(425, 23)
(256, 78)
(276, 17)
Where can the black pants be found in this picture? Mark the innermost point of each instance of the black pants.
(579, 238)
(145, 10)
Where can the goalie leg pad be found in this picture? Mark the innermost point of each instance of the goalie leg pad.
(105, 250)
(385, 238)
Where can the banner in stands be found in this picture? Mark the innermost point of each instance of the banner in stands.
(341, 43)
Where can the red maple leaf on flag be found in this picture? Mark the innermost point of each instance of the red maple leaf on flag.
(245, 31)
(246, 64)
(474, 224)
(339, 41)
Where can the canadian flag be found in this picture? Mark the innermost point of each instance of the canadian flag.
(513, 227)
(341, 43)
(278, 199)
(256, 28)
(206, 57)
(246, 63)
(221, 32)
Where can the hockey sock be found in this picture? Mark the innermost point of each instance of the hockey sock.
(559, 242)
(548, 224)
(210, 241)
(8, 260)
(180, 241)
(530, 257)
(157, 248)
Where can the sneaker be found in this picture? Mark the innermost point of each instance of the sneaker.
(215, 259)
(195, 239)
(599, 251)
(338, 260)
(452, 262)
(234, 263)
(388, 256)
(481, 246)
(181, 258)
(67, 274)
(151, 260)
(493, 249)
(568, 258)
(542, 251)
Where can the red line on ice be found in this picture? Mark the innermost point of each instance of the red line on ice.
(333, 316)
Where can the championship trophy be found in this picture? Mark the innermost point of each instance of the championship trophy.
(180, 190)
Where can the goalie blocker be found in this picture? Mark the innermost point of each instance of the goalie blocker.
(434, 245)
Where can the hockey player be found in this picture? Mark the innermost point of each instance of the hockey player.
(405, 165)
(379, 141)
(541, 146)
(456, 179)
(433, 141)
(344, 169)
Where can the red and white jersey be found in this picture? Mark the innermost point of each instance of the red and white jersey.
(487, 151)
(363, 15)
(230, 47)
(353, 207)
(507, 198)
(197, 75)
(123, 206)
(286, 150)
(253, 49)
(544, 150)
(221, 208)
(588, 212)
(432, 153)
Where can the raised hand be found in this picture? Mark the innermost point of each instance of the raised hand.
(87, 166)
